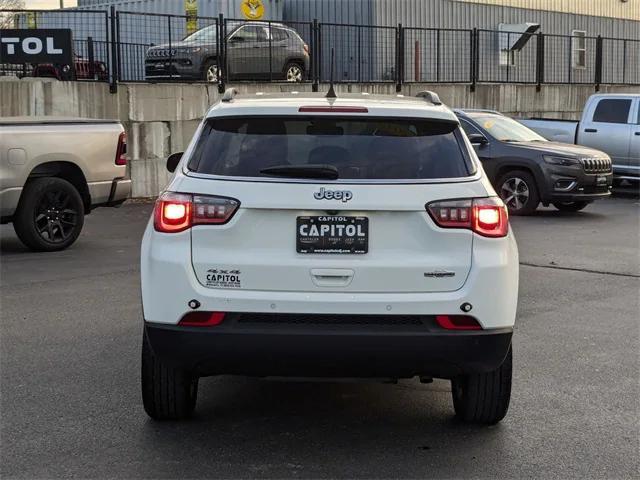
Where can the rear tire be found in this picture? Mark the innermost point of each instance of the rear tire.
(519, 191)
(50, 214)
(294, 72)
(483, 397)
(570, 206)
(168, 393)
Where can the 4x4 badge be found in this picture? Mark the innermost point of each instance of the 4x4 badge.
(344, 195)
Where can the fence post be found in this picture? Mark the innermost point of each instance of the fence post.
(570, 62)
(270, 54)
(473, 67)
(598, 73)
(114, 74)
(399, 57)
(540, 62)
(91, 58)
(170, 48)
(221, 50)
(313, 48)
(438, 55)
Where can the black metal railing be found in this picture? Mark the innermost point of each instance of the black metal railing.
(124, 46)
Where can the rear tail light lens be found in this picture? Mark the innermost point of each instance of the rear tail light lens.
(458, 322)
(202, 319)
(121, 150)
(485, 216)
(175, 212)
(305, 47)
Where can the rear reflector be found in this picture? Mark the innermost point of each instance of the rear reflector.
(458, 322)
(175, 212)
(485, 216)
(202, 319)
(329, 109)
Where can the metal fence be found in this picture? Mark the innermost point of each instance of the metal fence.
(149, 47)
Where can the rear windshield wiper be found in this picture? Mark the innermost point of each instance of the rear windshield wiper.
(328, 172)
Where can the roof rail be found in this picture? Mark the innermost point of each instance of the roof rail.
(430, 96)
(229, 94)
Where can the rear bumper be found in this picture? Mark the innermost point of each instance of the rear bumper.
(329, 350)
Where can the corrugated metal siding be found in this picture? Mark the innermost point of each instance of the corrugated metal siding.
(206, 8)
(453, 14)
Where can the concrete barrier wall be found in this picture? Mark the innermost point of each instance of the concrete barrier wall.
(161, 119)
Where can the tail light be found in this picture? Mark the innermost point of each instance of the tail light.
(485, 216)
(305, 47)
(175, 212)
(121, 150)
(202, 319)
(458, 322)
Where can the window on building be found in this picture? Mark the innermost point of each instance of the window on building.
(579, 49)
(612, 110)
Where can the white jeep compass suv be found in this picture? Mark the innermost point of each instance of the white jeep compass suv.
(312, 236)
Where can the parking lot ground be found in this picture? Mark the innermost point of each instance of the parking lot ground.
(69, 365)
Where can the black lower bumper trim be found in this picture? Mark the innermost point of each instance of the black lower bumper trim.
(328, 351)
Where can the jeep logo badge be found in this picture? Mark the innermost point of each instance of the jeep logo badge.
(344, 195)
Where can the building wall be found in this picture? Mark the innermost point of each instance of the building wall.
(629, 10)
(462, 14)
(161, 119)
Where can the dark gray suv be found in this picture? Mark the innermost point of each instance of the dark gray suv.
(255, 50)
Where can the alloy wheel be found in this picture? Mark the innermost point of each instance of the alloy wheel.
(515, 193)
(212, 74)
(294, 73)
(55, 219)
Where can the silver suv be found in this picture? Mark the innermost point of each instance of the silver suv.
(255, 50)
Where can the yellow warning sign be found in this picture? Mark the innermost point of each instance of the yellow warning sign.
(252, 9)
(191, 15)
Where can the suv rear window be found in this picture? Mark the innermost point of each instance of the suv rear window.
(359, 148)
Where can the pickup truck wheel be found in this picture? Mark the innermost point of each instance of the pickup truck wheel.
(168, 393)
(483, 397)
(518, 190)
(570, 206)
(50, 214)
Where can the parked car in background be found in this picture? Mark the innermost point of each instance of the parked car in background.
(610, 122)
(255, 51)
(527, 170)
(54, 171)
(84, 70)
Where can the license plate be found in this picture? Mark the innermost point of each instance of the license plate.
(332, 234)
(601, 181)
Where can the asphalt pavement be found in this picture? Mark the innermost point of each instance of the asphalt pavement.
(70, 405)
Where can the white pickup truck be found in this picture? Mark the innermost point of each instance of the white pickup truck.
(54, 170)
(610, 122)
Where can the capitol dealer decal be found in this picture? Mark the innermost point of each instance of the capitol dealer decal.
(252, 9)
(223, 278)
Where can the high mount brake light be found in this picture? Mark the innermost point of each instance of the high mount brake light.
(121, 149)
(329, 109)
(485, 216)
(175, 212)
(458, 322)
